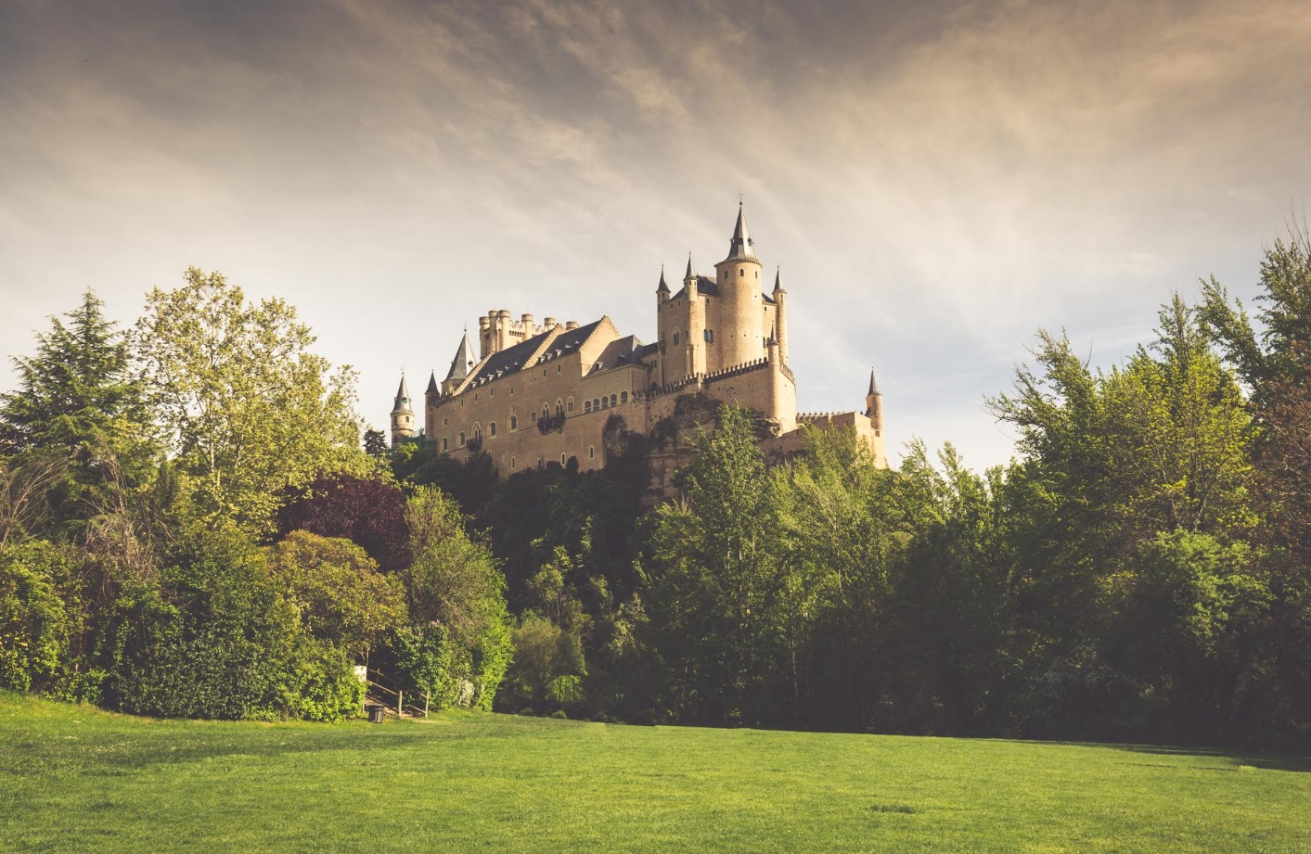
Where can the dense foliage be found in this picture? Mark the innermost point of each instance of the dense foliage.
(190, 525)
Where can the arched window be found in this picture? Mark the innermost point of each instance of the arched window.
(539, 462)
(569, 405)
(675, 337)
(444, 443)
(559, 406)
(591, 452)
(459, 441)
(587, 406)
(445, 421)
(605, 403)
(491, 429)
(513, 462)
(477, 431)
(514, 423)
(623, 397)
(614, 399)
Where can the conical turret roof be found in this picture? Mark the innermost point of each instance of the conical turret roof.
(691, 271)
(463, 361)
(664, 288)
(432, 384)
(741, 247)
(402, 403)
(778, 280)
(873, 384)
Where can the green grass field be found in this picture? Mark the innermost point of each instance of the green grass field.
(78, 779)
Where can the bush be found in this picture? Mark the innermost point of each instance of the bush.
(321, 684)
(35, 625)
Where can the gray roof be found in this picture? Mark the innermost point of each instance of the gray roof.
(873, 385)
(402, 403)
(513, 359)
(463, 361)
(432, 384)
(663, 288)
(741, 247)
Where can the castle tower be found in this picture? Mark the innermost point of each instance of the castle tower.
(781, 318)
(741, 338)
(695, 323)
(460, 366)
(402, 416)
(874, 411)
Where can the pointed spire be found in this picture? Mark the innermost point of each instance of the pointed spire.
(741, 247)
(691, 271)
(873, 385)
(664, 288)
(402, 403)
(432, 385)
(778, 280)
(463, 361)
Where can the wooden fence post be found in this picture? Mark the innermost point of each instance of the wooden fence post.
(400, 703)
(425, 704)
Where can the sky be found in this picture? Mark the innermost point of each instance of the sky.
(935, 180)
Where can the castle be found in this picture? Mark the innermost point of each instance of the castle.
(542, 393)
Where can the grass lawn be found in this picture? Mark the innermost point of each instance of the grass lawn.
(78, 779)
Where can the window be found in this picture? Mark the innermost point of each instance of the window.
(513, 462)
(511, 389)
(741, 272)
(562, 459)
(539, 462)
(475, 396)
(546, 410)
(477, 431)
(445, 421)
(614, 399)
(491, 429)
(514, 423)
(587, 406)
(591, 452)
(569, 405)
(459, 441)
(710, 335)
(444, 443)
(605, 403)
(559, 367)
(675, 337)
(596, 403)
(623, 397)
(491, 392)
(559, 406)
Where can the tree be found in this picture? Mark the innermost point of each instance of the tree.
(337, 590)
(78, 400)
(249, 410)
(715, 582)
(375, 444)
(453, 581)
(368, 511)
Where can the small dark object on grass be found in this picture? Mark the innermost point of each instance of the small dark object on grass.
(901, 808)
(375, 712)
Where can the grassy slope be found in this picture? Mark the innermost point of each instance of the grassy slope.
(79, 779)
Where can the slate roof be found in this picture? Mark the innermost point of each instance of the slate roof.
(512, 359)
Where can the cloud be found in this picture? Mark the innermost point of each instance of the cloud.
(936, 179)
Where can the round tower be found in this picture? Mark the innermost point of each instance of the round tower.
(402, 416)
(740, 338)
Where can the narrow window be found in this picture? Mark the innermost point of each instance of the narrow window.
(675, 337)
(741, 273)
(491, 429)
(623, 397)
(614, 398)
(443, 443)
(591, 452)
(459, 441)
(587, 406)
(513, 462)
(562, 459)
(569, 405)
(514, 423)
(710, 335)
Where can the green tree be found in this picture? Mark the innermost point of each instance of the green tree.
(78, 401)
(454, 582)
(249, 410)
(338, 591)
(715, 582)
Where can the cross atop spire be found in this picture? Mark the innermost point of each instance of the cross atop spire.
(741, 247)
